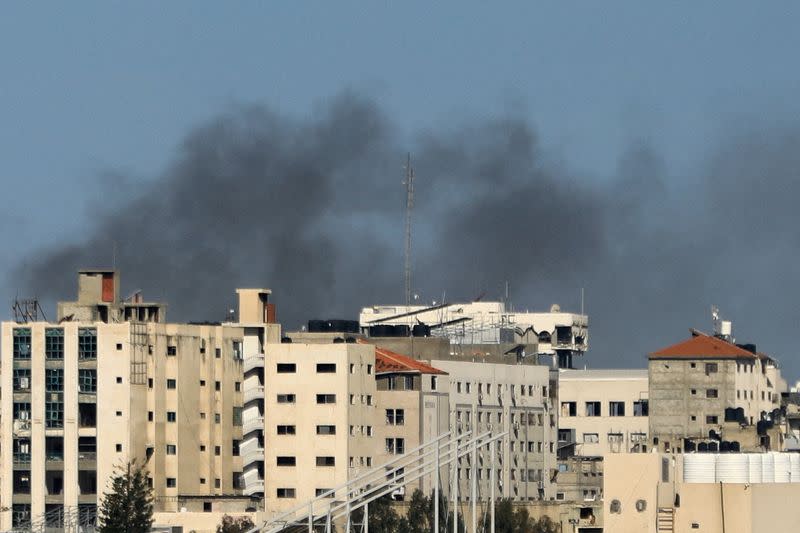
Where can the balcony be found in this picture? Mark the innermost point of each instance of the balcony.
(252, 455)
(253, 361)
(252, 423)
(252, 483)
(253, 393)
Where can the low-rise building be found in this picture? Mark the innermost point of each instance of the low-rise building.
(602, 411)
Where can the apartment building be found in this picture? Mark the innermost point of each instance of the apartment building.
(707, 391)
(320, 419)
(602, 412)
(518, 399)
(82, 397)
(413, 398)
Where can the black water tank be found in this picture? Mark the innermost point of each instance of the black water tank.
(421, 330)
(735, 446)
(380, 331)
(712, 447)
(402, 331)
(343, 326)
(724, 446)
(286, 340)
(338, 340)
(350, 340)
(730, 414)
(318, 326)
(740, 415)
(702, 447)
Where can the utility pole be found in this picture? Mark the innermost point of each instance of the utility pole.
(409, 183)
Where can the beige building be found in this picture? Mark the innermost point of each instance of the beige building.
(320, 418)
(602, 411)
(708, 383)
(518, 399)
(652, 493)
(413, 408)
(81, 398)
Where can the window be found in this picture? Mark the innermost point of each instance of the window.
(217, 450)
(285, 493)
(641, 408)
(369, 399)
(206, 507)
(217, 385)
(694, 391)
(286, 430)
(395, 446)
(202, 481)
(171, 416)
(54, 414)
(326, 430)
(286, 398)
(87, 380)
(171, 449)
(616, 408)
(202, 383)
(171, 483)
(591, 438)
(433, 382)
(320, 492)
(149, 416)
(287, 368)
(369, 431)
(712, 393)
(54, 379)
(54, 343)
(22, 379)
(711, 419)
(217, 418)
(119, 379)
(235, 444)
(172, 350)
(458, 387)
(149, 383)
(202, 447)
(592, 408)
(369, 370)
(638, 437)
(171, 384)
(395, 417)
(119, 346)
(326, 461)
(286, 460)
(22, 343)
(119, 413)
(119, 448)
(237, 386)
(569, 408)
(326, 398)
(87, 343)
(326, 368)
(711, 368)
(615, 437)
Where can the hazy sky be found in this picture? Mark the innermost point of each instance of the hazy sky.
(96, 97)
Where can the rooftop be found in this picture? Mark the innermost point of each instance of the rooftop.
(703, 346)
(603, 374)
(387, 361)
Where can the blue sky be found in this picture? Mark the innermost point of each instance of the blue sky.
(96, 88)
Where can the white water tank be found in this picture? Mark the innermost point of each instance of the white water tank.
(794, 462)
(782, 467)
(725, 328)
(699, 468)
(733, 468)
(755, 462)
(767, 468)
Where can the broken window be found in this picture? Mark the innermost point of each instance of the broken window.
(22, 343)
(87, 343)
(54, 343)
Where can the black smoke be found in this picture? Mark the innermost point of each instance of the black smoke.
(313, 208)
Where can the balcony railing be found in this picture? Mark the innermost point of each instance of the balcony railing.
(252, 424)
(253, 393)
(253, 361)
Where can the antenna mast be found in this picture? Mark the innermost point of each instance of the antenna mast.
(409, 183)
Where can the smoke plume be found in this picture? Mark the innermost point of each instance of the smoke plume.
(313, 208)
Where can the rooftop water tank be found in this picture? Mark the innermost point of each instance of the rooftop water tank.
(733, 468)
(699, 468)
(767, 468)
(755, 467)
(783, 472)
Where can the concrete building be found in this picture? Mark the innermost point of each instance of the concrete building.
(602, 411)
(558, 334)
(706, 384)
(652, 493)
(518, 399)
(320, 418)
(414, 400)
(83, 397)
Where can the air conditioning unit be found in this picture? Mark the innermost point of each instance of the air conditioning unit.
(24, 383)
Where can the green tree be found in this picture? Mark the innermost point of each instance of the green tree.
(382, 516)
(509, 520)
(128, 506)
(230, 524)
(419, 518)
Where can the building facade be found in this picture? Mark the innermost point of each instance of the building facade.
(602, 411)
(519, 400)
(82, 398)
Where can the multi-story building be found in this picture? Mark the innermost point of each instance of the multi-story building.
(707, 391)
(517, 399)
(320, 418)
(558, 334)
(110, 382)
(413, 408)
(602, 411)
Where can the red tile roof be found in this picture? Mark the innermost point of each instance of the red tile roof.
(702, 346)
(388, 361)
